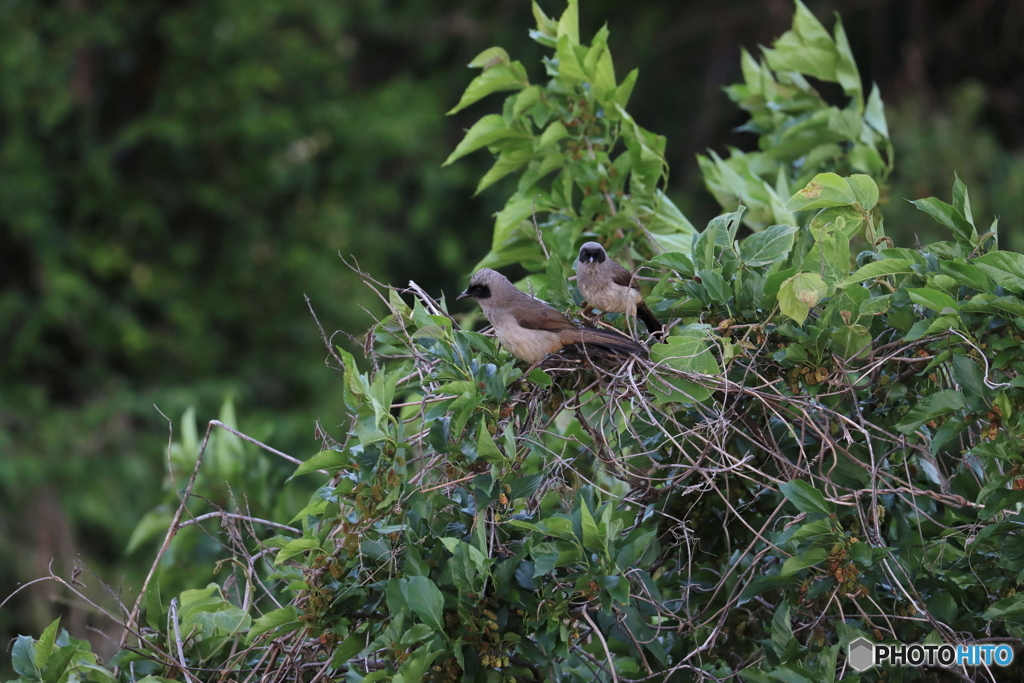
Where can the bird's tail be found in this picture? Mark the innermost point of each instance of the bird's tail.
(606, 341)
(650, 321)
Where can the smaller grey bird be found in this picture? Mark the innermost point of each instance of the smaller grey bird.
(531, 329)
(611, 288)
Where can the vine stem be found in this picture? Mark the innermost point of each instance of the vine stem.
(604, 644)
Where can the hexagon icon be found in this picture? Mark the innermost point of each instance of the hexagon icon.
(861, 655)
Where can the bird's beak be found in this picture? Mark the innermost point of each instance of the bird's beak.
(464, 294)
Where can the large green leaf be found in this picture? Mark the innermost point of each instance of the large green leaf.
(44, 646)
(690, 352)
(825, 190)
(805, 497)
(933, 299)
(329, 460)
(768, 246)
(864, 189)
(426, 601)
(486, 131)
(1006, 268)
(936, 405)
(502, 77)
(283, 620)
(799, 293)
(23, 658)
(950, 217)
(851, 341)
(878, 269)
(806, 559)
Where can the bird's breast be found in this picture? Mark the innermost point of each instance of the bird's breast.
(526, 344)
(610, 297)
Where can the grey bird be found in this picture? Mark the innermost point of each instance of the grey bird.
(531, 329)
(610, 287)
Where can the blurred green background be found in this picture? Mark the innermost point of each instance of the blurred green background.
(175, 176)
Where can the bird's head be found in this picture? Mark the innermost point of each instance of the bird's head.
(592, 252)
(481, 283)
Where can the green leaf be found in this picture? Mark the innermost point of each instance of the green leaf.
(768, 246)
(825, 190)
(426, 601)
(805, 497)
(553, 133)
(1011, 607)
(998, 305)
(346, 650)
(539, 377)
(754, 675)
(1006, 269)
(592, 539)
(23, 658)
(851, 341)
(675, 260)
(329, 460)
(806, 48)
(569, 67)
(799, 293)
(545, 25)
(807, 559)
(491, 57)
(865, 190)
(296, 547)
(874, 113)
(846, 68)
(354, 387)
(961, 200)
(968, 275)
(485, 447)
(878, 269)
(950, 217)
(689, 352)
(498, 78)
(283, 620)
(98, 674)
(876, 305)
(526, 99)
(936, 405)
(830, 255)
(44, 646)
(569, 23)
(604, 77)
(782, 627)
(625, 89)
(56, 666)
(933, 299)
(716, 286)
(507, 162)
(413, 668)
(156, 613)
(486, 131)
(786, 674)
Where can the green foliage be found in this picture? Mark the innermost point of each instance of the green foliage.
(580, 157)
(173, 179)
(827, 446)
(800, 135)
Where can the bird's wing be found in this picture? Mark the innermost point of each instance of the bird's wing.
(533, 315)
(621, 276)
